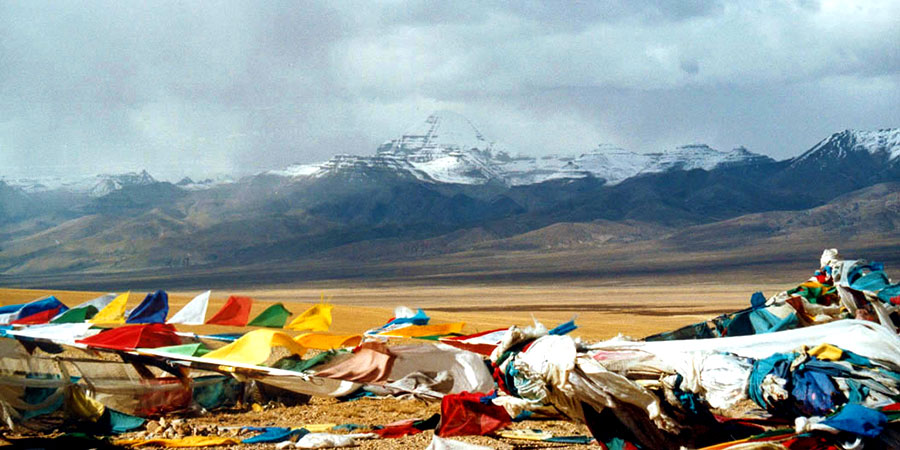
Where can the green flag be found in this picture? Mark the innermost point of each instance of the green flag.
(76, 315)
(273, 317)
(186, 349)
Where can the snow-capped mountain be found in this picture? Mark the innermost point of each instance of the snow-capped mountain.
(190, 184)
(448, 148)
(32, 185)
(95, 186)
(699, 156)
(442, 132)
(104, 184)
(846, 161)
(615, 164)
(883, 144)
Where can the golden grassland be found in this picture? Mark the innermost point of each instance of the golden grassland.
(600, 311)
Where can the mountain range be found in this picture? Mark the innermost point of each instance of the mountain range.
(443, 191)
(448, 149)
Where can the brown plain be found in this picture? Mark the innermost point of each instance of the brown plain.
(600, 312)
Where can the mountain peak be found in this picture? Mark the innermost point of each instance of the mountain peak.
(445, 148)
(104, 184)
(609, 149)
(693, 148)
(442, 131)
(884, 142)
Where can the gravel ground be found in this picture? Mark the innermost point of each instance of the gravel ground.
(319, 410)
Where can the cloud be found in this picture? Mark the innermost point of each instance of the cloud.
(181, 88)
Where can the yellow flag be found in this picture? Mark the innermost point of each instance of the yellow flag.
(256, 347)
(81, 406)
(827, 352)
(114, 312)
(317, 318)
(327, 341)
(426, 330)
(184, 442)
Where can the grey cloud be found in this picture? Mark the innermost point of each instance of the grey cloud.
(190, 86)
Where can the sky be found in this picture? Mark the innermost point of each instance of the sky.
(202, 88)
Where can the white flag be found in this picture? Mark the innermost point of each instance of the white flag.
(194, 313)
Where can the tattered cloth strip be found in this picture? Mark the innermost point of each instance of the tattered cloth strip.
(465, 414)
(482, 343)
(403, 314)
(439, 443)
(72, 441)
(408, 427)
(273, 434)
(852, 418)
(319, 427)
(584, 440)
(296, 364)
(97, 416)
(326, 440)
(185, 442)
(403, 317)
(464, 371)
(799, 383)
(371, 363)
(868, 425)
(526, 435)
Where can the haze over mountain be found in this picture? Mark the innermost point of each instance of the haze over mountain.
(443, 188)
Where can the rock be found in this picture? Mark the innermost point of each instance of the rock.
(152, 427)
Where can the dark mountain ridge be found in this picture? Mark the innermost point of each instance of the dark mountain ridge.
(143, 224)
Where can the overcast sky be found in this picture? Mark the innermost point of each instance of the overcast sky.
(203, 87)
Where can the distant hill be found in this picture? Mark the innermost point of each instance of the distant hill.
(443, 190)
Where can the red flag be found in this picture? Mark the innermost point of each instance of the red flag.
(37, 318)
(464, 414)
(235, 312)
(134, 336)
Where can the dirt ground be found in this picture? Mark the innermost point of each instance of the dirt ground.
(600, 312)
